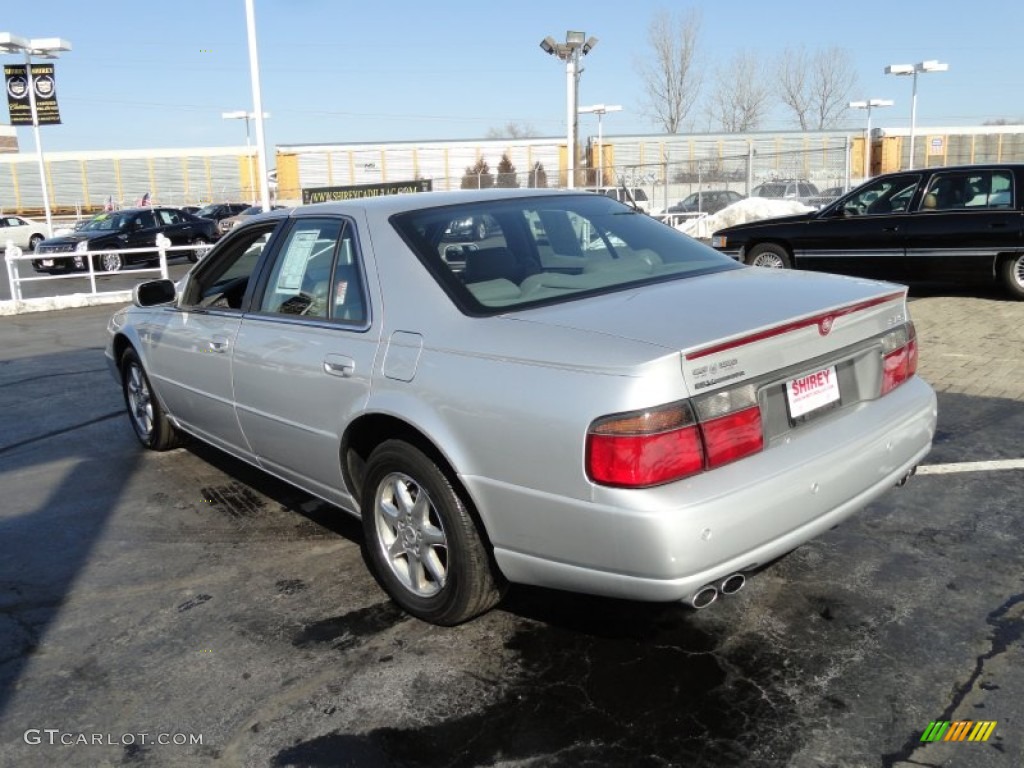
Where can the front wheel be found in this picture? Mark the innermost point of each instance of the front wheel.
(422, 542)
(110, 262)
(148, 419)
(34, 242)
(1012, 274)
(770, 255)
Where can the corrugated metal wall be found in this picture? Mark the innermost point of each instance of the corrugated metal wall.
(85, 180)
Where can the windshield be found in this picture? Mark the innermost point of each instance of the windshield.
(207, 210)
(252, 210)
(105, 222)
(548, 249)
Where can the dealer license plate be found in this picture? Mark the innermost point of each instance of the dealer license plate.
(812, 391)
(47, 262)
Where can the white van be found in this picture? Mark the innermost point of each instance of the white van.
(631, 196)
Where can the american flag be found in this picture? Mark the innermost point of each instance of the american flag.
(110, 203)
(144, 200)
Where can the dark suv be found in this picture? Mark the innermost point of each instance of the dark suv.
(800, 190)
(127, 228)
(218, 211)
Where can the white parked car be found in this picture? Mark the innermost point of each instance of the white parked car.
(644, 418)
(24, 233)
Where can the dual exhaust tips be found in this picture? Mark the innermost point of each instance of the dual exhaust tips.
(707, 594)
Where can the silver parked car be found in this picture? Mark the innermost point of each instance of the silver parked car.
(592, 402)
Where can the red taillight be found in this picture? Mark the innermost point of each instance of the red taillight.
(732, 437)
(899, 357)
(644, 448)
(660, 445)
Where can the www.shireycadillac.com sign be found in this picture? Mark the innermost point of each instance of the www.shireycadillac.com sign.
(18, 101)
(329, 194)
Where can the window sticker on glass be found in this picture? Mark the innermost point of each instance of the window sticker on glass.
(295, 260)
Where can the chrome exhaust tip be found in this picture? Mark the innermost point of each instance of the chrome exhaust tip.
(703, 597)
(730, 585)
(906, 478)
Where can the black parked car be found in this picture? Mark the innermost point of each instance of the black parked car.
(127, 228)
(954, 224)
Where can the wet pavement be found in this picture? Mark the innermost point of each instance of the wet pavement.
(185, 597)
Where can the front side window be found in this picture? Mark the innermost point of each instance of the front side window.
(316, 273)
(552, 249)
(223, 278)
(883, 196)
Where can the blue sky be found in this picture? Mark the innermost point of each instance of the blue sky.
(146, 75)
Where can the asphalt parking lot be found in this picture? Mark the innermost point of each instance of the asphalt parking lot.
(185, 598)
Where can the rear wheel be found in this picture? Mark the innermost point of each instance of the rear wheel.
(422, 542)
(771, 255)
(1012, 274)
(200, 249)
(148, 419)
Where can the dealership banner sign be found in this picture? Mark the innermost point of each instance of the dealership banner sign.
(329, 194)
(18, 101)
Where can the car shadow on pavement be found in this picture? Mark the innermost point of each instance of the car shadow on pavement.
(67, 458)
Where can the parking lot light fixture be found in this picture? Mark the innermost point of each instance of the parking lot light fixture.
(914, 70)
(600, 110)
(869, 104)
(576, 45)
(43, 48)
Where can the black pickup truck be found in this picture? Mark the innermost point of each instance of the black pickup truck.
(955, 224)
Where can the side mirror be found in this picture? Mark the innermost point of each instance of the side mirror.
(153, 293)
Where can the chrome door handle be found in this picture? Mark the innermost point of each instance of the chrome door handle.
(339, 365)
(218, 344)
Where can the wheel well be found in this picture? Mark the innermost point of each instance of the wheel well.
(121, 343)
(367, 432)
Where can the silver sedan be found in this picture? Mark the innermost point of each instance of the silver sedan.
(585, 399)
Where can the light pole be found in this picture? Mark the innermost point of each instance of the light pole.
(600, 110)
(914, 70)
(241, 114)
(869, 104)
(44, 48)
(257, 102)
(576, 45)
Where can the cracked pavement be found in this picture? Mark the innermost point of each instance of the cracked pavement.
(186, 593)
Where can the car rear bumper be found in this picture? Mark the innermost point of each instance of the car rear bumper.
(663, 544)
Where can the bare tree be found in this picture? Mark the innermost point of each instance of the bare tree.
(794, 83)
(816, 86)
(742, 94)
(670, 73)
(513, 129)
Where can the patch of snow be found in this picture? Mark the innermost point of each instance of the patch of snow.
(750, 209)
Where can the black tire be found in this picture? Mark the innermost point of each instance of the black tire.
(770, 255)
(34, 241)
(1011, 272)
(148, 419)
(421, 540)
(199, 252)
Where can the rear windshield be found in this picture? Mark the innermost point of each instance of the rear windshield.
(506, 254)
